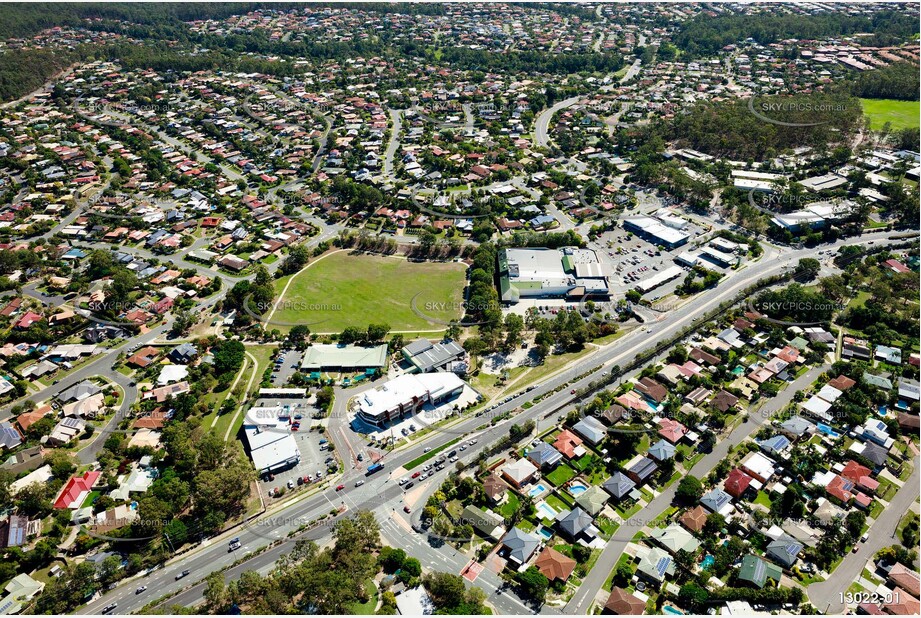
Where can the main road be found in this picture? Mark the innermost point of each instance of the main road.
(382, 492)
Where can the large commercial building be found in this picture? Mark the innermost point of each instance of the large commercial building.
(332, 357)
(569, 272)
(271, 445)
(656, 231)
(406, 395)
(815, 216)
(427, 356)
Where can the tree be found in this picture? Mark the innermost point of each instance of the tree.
(215, 593)
(445, 589)
(693, 596)
(807, 269)
(533, 583)
(298, 335)
(62, 464)
(690, 489)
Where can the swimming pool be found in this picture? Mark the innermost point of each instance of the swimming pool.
(537, 490)
(739, 370)
(545, 532)
(668, 609)
(577, 487)
(545, 511)
(828, 431)
(707, 562)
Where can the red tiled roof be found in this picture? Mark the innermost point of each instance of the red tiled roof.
(75, 488)
(736, 483)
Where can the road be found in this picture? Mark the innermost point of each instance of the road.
(383, 490)
(396, 125)
(542, 122)
(827, 596)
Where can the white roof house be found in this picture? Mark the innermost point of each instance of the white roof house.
(519, 471)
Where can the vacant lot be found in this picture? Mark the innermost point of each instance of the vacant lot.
(901, 114)
(344, 289)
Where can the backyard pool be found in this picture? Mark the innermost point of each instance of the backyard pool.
(545, 532)
(577, 487)
(707, 562)
(545, 511)
(537, 490)
(828, 431)
(739, 370)
(671, 611)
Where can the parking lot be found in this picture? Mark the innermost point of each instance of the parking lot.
(289, 365)
(314, 455)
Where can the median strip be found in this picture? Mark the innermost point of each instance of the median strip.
(424, 458)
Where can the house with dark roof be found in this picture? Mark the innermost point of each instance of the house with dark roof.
(576, 523)
(724, 401)
(784, 550)
(544, 456)
(652, 389)
(519, 545)
(757, 572)
(183, 354)
(619, 486)
(641, 470)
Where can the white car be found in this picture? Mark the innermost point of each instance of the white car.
(359, 483)
(426, 449)
(402, 481)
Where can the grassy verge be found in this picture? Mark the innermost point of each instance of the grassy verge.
(424, 458)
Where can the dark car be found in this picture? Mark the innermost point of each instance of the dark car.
(109, 608)
(183, 574)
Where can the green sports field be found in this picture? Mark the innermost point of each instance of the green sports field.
(901, 114)
(343, 289)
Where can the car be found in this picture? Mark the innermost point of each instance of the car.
(864, 538)
(359, 483)
(453, 459)
(300, 481)
(109, 608)
(572, 392)
(406, 509)
(463, 447)
(234, 547)
(472, 442)
(183, 574)
(856, 548)
(298, 417)
(361, 457)
(408, 485)
(340, 487)
(426, 449)
(140, 589)
(290, 484)
(402, 481)
(319, 474)
(307, 478)
(416, 475)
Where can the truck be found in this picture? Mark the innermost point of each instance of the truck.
(374, 468)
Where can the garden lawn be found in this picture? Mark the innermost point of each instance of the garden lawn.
(345, 289)
(560, 475)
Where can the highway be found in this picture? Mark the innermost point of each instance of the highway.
(382, 491)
